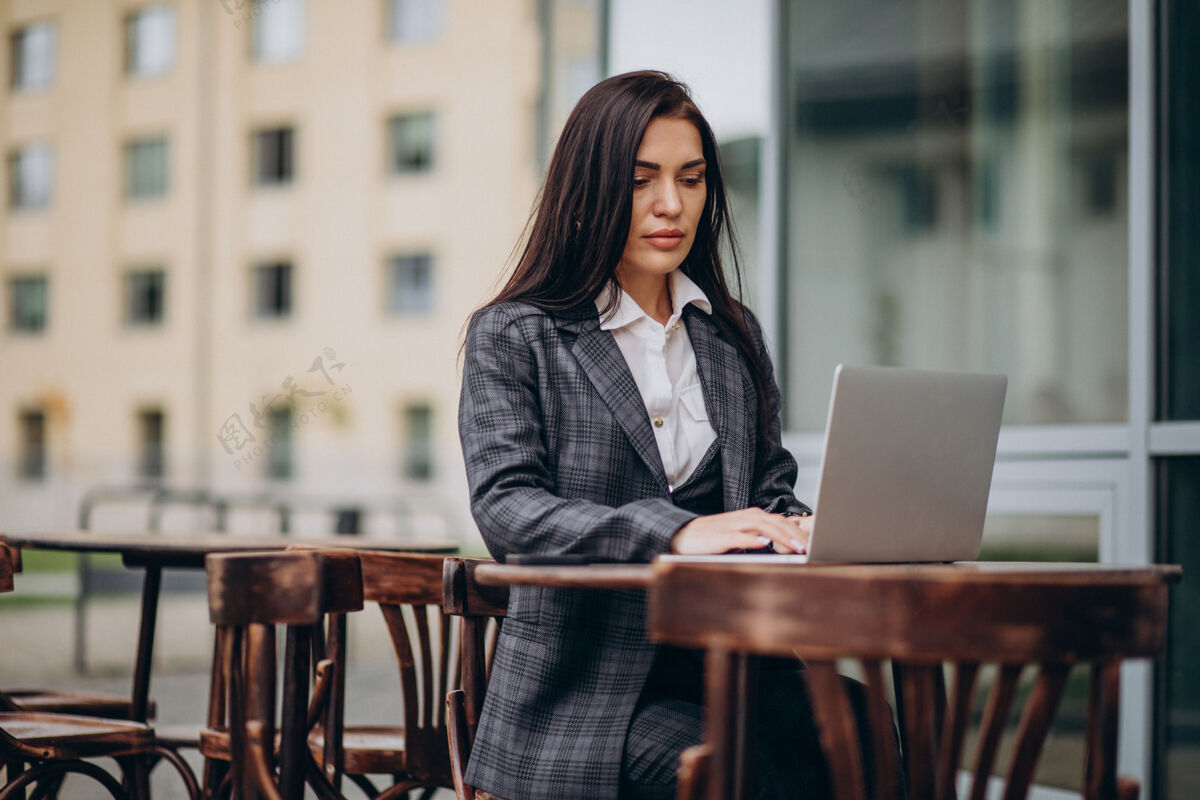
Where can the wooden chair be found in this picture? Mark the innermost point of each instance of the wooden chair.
(54, 701)
(924, 620)
(44, 748)
(408, 590)
(249, 595)
(477, 605)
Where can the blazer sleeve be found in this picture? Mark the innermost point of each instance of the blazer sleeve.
(501, 428)
(775, 472)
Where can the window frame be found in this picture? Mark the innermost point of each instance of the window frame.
(135, 41)
(404, 298)
(18, 80)
(17, 320)
(283, 156)
(283, 305)
(406, 161)
(135, 316)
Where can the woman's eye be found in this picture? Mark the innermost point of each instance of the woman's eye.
(640, 180)
(693, 180)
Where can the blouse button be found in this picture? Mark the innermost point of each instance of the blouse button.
(658, 422)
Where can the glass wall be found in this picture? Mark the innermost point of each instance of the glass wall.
(956, 198)
(1179, 393)
(1181, 256)
(1181, 748)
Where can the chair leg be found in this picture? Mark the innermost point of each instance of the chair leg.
(12, 769)
(215, 773)
(185, 771)
(361, 782)
(48, 788)
(55, 770)
(316, 780)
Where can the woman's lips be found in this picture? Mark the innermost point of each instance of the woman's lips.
(665, 239)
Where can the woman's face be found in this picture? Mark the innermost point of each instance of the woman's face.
(668, 200)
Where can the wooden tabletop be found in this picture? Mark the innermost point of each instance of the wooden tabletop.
(584, 576)
(825, 611)
(640, 576)
(1056, 571)
(188, 551)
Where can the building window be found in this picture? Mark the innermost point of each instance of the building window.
(418, 442)
(28, 303)
(146, 168)
(273, 290)
(410, 289)
(31, 463)
(279, 453)
(273, 164)
(277, 32)
(30, 176)
(144, 297)
(151, 449)
(150, 40)
(414, 21)
(33, 53)
(410, 142)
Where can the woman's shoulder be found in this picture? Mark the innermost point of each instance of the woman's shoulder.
(509, 318)
(526, 315)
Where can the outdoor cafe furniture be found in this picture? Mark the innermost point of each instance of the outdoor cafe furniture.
(249, 594)
(477, 606)
(57, 701)
(43, 748)
(920, 618)
(408, 590)
(157, 552)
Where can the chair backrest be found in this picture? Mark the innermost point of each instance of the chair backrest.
(8, 565)
(250, 594)
(9, 561)
(408, 589)
(923, 620)
(478, 606)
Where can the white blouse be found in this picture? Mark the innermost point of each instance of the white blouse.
(664, 367)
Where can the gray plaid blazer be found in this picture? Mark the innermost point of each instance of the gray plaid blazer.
(561, 458)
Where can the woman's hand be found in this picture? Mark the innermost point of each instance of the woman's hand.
(747, 529)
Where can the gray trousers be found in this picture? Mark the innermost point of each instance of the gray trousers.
(787, 759)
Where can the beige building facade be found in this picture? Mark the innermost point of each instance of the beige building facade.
(241, 241)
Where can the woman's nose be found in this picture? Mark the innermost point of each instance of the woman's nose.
(667, 202)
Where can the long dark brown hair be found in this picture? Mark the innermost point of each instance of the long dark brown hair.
(577, 231)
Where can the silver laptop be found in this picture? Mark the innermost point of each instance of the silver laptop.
(907, 467)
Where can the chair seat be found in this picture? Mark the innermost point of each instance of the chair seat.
(215, 743)
(73, 736)
(88, 704)
(369, 749)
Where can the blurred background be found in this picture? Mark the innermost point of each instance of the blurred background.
(240, 240)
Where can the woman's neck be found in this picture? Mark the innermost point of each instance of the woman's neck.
(652, 293)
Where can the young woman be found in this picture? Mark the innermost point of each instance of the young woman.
(619, 403)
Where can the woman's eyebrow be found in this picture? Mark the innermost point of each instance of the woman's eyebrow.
(651, 165)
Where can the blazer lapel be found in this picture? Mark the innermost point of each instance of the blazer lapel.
(602, 361)
(730, 406)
